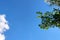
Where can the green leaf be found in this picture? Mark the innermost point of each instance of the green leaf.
(39, 12)
(38, 16)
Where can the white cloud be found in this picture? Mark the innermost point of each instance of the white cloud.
(3, 26)
(2, 37)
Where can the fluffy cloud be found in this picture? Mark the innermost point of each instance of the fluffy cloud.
(3, 26)
(2, 37)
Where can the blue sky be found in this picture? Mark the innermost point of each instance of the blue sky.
(23, 21)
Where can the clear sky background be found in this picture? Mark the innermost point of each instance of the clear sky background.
(23, 21)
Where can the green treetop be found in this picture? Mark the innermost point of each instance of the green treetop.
(53, 2)
(49, 19)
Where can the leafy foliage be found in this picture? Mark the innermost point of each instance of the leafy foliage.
(49, 19)
(53, 2)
